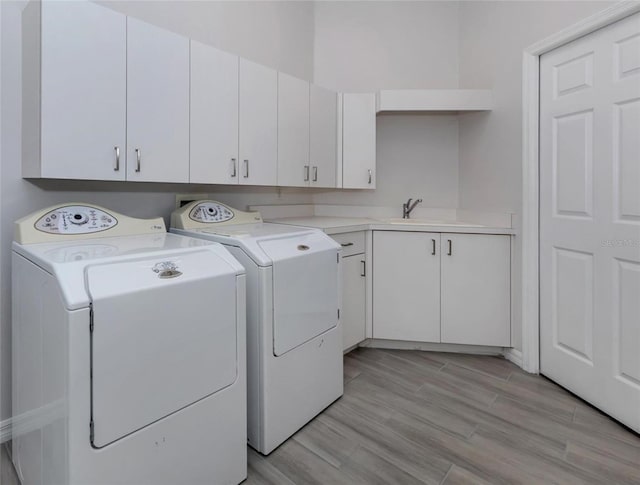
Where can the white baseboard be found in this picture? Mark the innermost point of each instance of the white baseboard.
(514, 355)
(432, 347)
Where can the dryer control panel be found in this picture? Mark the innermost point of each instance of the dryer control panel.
(75, 219)
(210, 212)
(81, 221)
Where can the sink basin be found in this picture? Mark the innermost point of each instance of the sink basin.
(429, 222)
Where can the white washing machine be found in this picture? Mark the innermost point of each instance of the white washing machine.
(129, 349)
(294, 336)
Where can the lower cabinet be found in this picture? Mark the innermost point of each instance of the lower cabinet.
(353, 300)
(406, 286)
(448, 288)
(354, 274)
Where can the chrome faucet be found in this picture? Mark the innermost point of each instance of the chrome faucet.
(407, 207)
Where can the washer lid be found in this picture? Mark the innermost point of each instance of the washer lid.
(164, 336)
(67, 260)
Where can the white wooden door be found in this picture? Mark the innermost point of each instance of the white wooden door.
(406, 286)
(353, 300)
(323, 137)
(293, 131)
(590, 218)
(214, 116)
(359, 141)
(258, 124)
(476, 289)
(83, 91)
(157, 104)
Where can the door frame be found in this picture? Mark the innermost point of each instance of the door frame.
(531, 169)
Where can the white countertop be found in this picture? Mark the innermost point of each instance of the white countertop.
(338, 225)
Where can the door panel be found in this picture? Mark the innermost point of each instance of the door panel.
(353, 300)
(157, 104)
(293, 132)
(476, 284)
(406, 286)
(83, 91)
(358, 140)
(258, 124)
(158, 345)
(214, 116)
(590, 218)
(323, 137)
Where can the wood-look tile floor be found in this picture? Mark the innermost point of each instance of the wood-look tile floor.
(410, 417)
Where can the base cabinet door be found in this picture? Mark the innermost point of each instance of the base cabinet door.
(476, 282)
(353, 300)
(406, 286)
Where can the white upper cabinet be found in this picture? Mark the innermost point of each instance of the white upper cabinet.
(157, 104)
(258, 124)
(293, 131)
(358, 140)
(214, 116)
(323, 137)
(74, 91)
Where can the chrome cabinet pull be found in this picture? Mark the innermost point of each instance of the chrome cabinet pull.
(433, 247)
(138, 157)
(116, 168)
(233, 168)
(370, 174)
(450, 247)
(246, 169)
(306, 173)
(364, 269)
(346, 245)
(315, 174)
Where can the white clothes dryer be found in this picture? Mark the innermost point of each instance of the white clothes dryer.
(294, 336)
(128, 352)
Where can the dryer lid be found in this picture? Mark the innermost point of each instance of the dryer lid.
(164, 336)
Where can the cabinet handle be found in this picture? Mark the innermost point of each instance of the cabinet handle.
(369, 175)
(138, 157)
(306, 173)
(246, 169)
(315, 174)
(116, 168)
(346, 245)
(233, 167)
(364, 269)
(433, 247)
(450, 247)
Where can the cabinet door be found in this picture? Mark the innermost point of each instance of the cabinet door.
(323, 137)
(476, 301)
(83, 91)
(359, 141)
(406, 286)
(258, 124)
(353, 300)
(214, 116)
(157, 104)
(293, 131)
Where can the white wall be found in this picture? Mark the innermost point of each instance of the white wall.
(367, 46)
(278, 34)
(492, 38)
(284, 41)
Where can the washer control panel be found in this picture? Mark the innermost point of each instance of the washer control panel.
(75, 219)
(210, 212)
